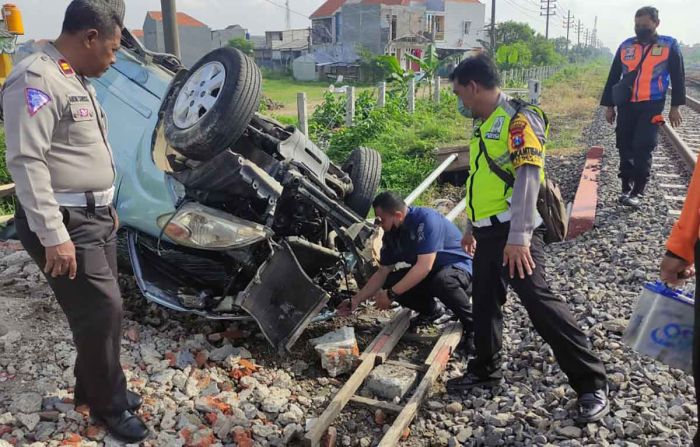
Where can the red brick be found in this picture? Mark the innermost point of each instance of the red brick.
(132, 334)
(379, 417)
(582, 218)
(201, 358)
(330, 438)
(242, 437)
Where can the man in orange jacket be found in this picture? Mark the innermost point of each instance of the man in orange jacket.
(647, 64)
(683, 249)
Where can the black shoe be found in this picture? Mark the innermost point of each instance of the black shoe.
(466, 346)
(634, 201)
(126, 427)
(133, 400)
(593, 407)
(471, 380)
(626, 189)
(426, 320)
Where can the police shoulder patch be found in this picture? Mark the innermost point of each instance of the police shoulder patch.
(36, 99)
(65, 67)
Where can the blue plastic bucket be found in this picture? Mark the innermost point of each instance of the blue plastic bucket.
(661, 326)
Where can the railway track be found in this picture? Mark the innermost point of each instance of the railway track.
(685, 140)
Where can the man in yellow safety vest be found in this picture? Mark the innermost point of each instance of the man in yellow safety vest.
(507, 155)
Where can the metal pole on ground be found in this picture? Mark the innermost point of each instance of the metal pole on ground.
(381, 99)
(412, 95)
(302, 113)
(171, 34)
(430, 179)
(350, 108)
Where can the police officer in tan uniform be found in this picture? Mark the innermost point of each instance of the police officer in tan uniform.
(62, 165)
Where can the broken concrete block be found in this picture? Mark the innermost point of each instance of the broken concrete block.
(338, 350)
(389, 381)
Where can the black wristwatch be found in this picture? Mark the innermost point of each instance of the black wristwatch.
(391, 294)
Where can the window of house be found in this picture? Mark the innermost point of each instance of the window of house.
(467, 27)
(394, 20)
(435, 25)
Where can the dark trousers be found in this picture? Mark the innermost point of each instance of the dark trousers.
(636, 140)
(92, 304)
(450, 284)
(550, 316)
(696, 339)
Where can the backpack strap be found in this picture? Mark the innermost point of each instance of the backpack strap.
(504, 175)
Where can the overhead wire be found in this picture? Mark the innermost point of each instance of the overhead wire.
(290, 10)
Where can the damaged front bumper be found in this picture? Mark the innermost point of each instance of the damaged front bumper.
(281, 297)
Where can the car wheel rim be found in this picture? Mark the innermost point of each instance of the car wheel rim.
(199, 94)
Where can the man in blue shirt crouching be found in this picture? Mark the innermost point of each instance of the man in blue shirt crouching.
(440, 268)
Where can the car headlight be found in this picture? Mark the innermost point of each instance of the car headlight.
(198, 226)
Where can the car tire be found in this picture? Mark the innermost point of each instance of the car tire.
(201, 131)
(364, 166)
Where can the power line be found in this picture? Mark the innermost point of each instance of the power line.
(290, 10)
(527, 12)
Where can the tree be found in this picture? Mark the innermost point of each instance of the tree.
(560, 45)
(244, 45)
(511, 32)
(514, 55)
(544, 53)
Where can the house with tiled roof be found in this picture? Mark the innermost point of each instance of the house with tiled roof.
(399, 27)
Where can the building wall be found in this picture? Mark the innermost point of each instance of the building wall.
(221, 38)
(153, 35)
(195, 42)
(456, 14)
(362, 25)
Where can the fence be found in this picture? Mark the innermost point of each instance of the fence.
(520, 77)
(529, 79)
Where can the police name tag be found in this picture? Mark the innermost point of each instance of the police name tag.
(657, 50)
(496, 129)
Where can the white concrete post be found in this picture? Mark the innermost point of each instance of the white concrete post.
(412, 95)
(350, 107)
(436, 90)
(381, 99)
(302, 113)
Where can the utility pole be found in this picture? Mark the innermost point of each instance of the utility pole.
(171, 32)
(585, 39)
(579, 28)
(594, 35)
(547, 8)
(567, 24)
(493, 27)
(288, 17)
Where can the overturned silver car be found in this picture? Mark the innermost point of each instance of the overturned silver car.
(227, 212)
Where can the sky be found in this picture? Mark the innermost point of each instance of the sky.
(42, 18)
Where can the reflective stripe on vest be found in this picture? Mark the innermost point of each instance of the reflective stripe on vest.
(487, 194)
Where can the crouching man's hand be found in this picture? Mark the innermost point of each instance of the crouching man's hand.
(347, 307)
(382, 300)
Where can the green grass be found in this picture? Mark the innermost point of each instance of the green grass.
(570, 98)
(285, 92)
